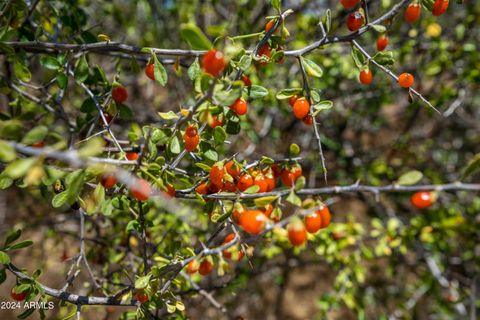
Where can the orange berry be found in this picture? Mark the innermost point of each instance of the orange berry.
(313, 222)
(193, 266)
(301, 108)
(261, 182)
(324, 213)
(170, 191)
(108, 181)
(382, 42)
(439, 7)
(238, 210)
(229, 186)
(233, 169)
(141, 190)
(216, 122)
(132, 156)
(269, 25)
(191, 131)
(239, 106)
(227, 253)
(405, 80)
(244, 182)
(205, 267)
(202, 188)
(412, 13)
(266, 51)
(267, 210)
(355, 21)
(271, 183)
(297, 233)
(253, 221)
(422, 199)
(347, 4)
(366, 76)
(297, 171)
(288, 178)
(216, 175)
(213, 62)
(119, 94)
(191, 143)
(149, 71)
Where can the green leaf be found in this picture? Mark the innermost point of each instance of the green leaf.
(37, 134)
(7, 152)
(175, 145)
(328, 20)
(4, 258)
(287, 93)
(194, 70)
(257, 92)
(81, 70)
(62, 80)
(194, 37)
(13, 236)
(170, 115)
(358, 58)
(26, 313)
(385, 58)
(21, 71)
(50, 63)
(93, 147)
(245, 62)
(219, 135)
(410, 178)
(203, 166)
(266, 160)
(253, 189)
(142, 282)
(311, 68)
(19, 168)
(262, 202)
(472, 167)
(322, 105)
(276, 4)
(294, 199)
(11, 129)
(21, 245)
(379, 28)
(159, 71)
(5, 181)
(59, 199)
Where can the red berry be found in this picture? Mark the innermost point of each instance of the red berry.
(38, 145)
(276, 170)
(238, 210)
(267, 210)
(382, 42)
(269, 25)
(191, 131)
(213, 62)
(132, 156)
(232, 250)
(141, 190)
(170, 191)
(119, 94)
(439, 7)
(297, 171)
(149, 71)
(301, 108)
(266, 51)
(347, 4)
(205, 267)
(239, 106)
(108, 181)
(292, 100)
(253, 221)
(412, 13)
(366, 76)
(244, 182)
(141, 296)
(216, 122)
(297, 233)
(355, 21)
(270, 178)
(308, 120)
(191, 138)
(18, 296)
(313, 222)
(246, 81)
(405, 80)
(288, 177)
(202, 188)
(422, 199)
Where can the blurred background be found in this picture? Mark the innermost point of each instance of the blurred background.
(381, 258)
